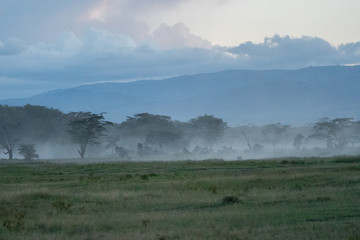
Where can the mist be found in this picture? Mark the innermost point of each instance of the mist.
(151, 137)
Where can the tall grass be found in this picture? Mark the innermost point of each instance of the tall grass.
(282, 199)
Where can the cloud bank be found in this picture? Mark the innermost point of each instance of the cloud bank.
(100, 54)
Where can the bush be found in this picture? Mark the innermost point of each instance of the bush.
(144, 177)
(230, 200)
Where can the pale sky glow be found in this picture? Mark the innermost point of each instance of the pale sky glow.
(55, 44)
(98, 12)
(231, 22)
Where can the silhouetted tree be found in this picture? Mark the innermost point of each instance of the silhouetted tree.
(208, 128)
(43, 124)
(10, 123)
(337, 132)
(86, 128)
(28, 151)
(30, 124)
(155, 130)
(8, 140)
(143, 123)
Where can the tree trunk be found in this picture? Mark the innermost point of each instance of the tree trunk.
(10, 152)
(247, 141)
(81, 151)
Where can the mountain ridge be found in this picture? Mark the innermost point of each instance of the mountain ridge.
(295, 97)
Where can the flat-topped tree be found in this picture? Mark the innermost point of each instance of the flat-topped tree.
(208, 128)
(86, 128)
(337, 133)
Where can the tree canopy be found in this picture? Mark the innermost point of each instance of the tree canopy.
(146, 135)
(208, 128)
(86, 128)
(337, 133)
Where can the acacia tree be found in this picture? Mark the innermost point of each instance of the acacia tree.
(337, 132)
(208, 128)
(153, 130)
(143, 123)
(86, 128)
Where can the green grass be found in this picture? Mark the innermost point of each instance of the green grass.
(317, 198)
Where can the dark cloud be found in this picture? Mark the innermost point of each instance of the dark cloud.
(103, 55)
(287, 52)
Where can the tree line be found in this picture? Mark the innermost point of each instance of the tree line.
(23, 128)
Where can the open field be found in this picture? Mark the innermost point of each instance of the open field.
(317, 198)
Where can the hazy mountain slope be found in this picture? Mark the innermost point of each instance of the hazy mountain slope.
(238, 96)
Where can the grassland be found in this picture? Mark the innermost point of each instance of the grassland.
(315, 198)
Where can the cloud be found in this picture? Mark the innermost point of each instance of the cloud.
(350, 52)
(66, 45)
(51, 44)
(114, 8)
(178, 36)
(101, 40)
(11, 46)
(101, 55)
(128, 16)
(215, 20)
(288, 52)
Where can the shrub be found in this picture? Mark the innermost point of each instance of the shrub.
(230, 200)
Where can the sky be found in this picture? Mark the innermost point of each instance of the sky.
(46, 45)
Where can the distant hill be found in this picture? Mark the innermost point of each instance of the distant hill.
(238, 96)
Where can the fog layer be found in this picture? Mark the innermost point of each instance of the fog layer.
(55, 136)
